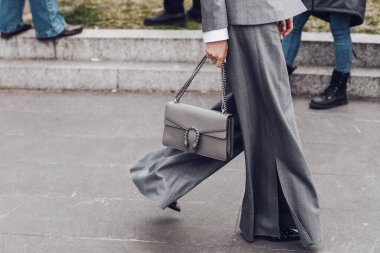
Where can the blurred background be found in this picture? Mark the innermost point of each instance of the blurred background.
(121, 14)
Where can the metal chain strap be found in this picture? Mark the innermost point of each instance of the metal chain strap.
(224, 85)
(195, 72)
(188, 82)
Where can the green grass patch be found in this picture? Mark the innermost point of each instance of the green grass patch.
(130, 14)
(83, 14)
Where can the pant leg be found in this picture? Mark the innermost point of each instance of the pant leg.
(292, 42)
(166, 174)
(46, 18)
(266, 131)
(11, 15)
(174, 6)
(256, 69)
(340, 28)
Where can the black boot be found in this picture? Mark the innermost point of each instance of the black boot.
(178, 19)
(24, 28)
(335, 94)
(291, 69)
(195, 15)
(175, 206)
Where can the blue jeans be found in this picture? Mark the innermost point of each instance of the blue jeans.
(340, 28)
(46, 19)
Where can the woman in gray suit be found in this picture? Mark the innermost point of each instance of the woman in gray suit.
(280, 201)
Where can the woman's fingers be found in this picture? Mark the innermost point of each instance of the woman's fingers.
(281, 25)
(214, 58)
(217, 52)
(210, 56)
(223, 59)
(225, 53)
(285, 26)
(289, 26)
(220, 62)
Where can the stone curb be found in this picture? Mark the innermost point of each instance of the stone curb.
(163, 76)
(169, 46)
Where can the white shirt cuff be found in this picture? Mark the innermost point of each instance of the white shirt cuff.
(216, 35)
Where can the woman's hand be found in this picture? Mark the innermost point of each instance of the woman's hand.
(217, 52)
(285, 26)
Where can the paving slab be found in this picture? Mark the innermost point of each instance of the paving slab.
(117, 219)
(348, 192)
(339, 159)
(65, 184)
(21, 243)
(343, 231)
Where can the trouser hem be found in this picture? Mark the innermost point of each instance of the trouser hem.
(11, 28)
(50, 33)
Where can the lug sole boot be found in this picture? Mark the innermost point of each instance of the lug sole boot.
(291, 69)
(335, 94)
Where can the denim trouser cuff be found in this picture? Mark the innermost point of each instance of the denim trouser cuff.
(10, 28)
(50, 33)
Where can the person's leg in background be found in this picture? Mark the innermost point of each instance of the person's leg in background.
(47, 21)
(292, 42)
(195, 12)
(174, 6)
(11, 22)
(335, 94)
(174, 14)
(340, 28)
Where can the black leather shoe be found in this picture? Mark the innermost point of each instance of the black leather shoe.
(69, 30)
(334, 94)
(286, 234)
(175, 206)
(291, 69)
(24, 28)
(178, 19)
(195, 15)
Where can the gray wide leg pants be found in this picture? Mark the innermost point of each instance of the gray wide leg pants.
(279, 188)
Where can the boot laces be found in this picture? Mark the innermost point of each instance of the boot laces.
(330, 91)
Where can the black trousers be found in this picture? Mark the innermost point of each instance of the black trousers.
(176, 6)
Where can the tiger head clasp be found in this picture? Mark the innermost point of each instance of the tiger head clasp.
(186, 137)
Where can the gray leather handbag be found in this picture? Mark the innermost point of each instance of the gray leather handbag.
(198, 130)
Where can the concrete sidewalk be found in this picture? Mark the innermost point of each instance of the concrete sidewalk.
(65, 183)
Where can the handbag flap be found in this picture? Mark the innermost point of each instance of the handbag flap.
(209, 122)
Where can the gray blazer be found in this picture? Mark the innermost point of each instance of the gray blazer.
(218, 14)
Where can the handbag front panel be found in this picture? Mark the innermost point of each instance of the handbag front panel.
(207, 121)
(207, 146)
